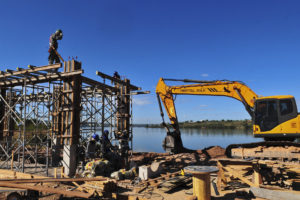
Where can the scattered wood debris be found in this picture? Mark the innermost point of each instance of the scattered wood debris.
(97, 186)
(264, 178)
(174, 182)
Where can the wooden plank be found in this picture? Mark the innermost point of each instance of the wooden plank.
(39, 79)
(221, 176)
(26, 71)
(14, 175)
(237, 175)
(230, 161)
(46, 189)
(132, 87)
(275, 194)
(174, 182)
(98, 84)
(76, 184)
(48, 180)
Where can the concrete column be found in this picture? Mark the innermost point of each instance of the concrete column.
(56, 149)
(70, 159)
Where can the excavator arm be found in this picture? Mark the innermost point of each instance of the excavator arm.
(233, 89)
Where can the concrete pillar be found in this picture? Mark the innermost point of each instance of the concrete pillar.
(70, 159)
(56, 149)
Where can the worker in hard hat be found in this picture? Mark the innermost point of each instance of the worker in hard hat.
(53, 46)
(105, 144)
(91, 147)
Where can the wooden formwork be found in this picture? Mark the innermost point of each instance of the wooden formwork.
(62, 98)
(71, 105)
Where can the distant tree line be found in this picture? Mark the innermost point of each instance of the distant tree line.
(208, 124)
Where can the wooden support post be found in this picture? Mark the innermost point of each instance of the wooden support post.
(12, 161)
(55, 172)
(257, 180)
(62, 172)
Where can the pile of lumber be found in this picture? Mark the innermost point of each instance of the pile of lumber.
(166, 182)
(269, 179)
(68, 187)
(100, 188)
(174, 182)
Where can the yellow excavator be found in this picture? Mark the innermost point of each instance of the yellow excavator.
(275, 118)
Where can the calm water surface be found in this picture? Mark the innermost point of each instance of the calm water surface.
(150, 139)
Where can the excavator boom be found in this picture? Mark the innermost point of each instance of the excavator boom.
(233, 89)
(165, 94)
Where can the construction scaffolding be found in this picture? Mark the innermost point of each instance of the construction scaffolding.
(46, 114)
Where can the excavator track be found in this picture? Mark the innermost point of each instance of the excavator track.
(271, 150)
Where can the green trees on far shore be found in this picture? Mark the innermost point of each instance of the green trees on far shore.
(209, 124)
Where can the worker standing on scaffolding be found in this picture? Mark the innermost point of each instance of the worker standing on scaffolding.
(53, 46)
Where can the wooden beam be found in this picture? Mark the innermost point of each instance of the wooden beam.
(239, 176)
(89, 91)
(48, 180)
(34, 69)
(98, 84)
(6, 174)
(132, 87)
(142, 92)
(39, 79)
(46, 189)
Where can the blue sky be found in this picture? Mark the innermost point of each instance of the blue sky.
(257, 42)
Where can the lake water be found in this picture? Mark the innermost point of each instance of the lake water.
(150, 139)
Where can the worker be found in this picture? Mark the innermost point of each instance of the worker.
(81, 156)
(91, 147)
(53, 46)
(117, 75)
(105, 144)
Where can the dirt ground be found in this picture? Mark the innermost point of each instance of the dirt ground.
(170, 164)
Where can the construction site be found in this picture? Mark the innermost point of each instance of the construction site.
(48, 115)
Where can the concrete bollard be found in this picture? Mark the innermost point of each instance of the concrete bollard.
(145, 172)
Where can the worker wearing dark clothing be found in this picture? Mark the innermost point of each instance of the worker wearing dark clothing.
(91, 149)
(117, 75)
(105, 144)
(53, 46)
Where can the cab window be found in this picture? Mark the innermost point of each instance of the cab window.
(286, 107)
(266, 115)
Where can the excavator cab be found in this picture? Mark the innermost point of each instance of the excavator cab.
(272, 112)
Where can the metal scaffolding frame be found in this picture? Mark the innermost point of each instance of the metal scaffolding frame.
(42, 109)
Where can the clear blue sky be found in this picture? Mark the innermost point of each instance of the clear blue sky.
(257, 42)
